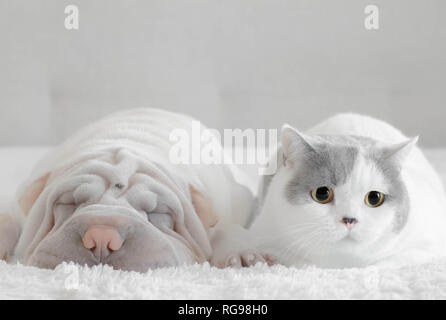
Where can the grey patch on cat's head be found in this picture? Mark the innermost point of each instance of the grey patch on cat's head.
(389, 160)
(329, 163)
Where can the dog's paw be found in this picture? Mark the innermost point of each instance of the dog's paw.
(235, 246)
(248, 258)
(3, 253)
(4, 248)
(9, 234)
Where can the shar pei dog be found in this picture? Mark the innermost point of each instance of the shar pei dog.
(111, 194)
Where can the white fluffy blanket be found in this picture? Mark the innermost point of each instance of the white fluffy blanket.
(70, 281)
(205, 282)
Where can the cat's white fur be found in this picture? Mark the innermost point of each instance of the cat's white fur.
(312, 233)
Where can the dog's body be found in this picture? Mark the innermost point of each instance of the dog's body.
(111, 195)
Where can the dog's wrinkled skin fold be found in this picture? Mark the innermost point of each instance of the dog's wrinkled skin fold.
(110, 195)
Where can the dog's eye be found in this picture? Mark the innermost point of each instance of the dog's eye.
(322, 194)
(374, 199)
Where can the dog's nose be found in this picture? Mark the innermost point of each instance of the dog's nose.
(349, 222)
(102, 240)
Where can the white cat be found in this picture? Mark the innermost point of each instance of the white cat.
(353, 191)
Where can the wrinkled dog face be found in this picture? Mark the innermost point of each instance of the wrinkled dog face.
(342, 196)
(111, 211)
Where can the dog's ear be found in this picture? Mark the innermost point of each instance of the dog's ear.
(32, 192)
(204, 207)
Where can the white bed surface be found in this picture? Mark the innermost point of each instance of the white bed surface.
(204, 282)
(70, 281)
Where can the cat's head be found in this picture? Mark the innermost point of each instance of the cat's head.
(342, 194)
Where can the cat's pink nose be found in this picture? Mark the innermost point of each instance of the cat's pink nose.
(102, 240)
(349, 222)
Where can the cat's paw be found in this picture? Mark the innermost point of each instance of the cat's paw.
(248, 258)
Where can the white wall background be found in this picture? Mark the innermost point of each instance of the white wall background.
(231, 63)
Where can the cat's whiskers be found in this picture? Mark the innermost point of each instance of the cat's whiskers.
(291, 233)
(301, 236)
(311, 245)
(317, 246)
(298, 246)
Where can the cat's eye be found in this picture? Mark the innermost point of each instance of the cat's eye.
(322, 195)
(374, 199)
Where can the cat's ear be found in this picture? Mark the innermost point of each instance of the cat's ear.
(397, 153)
(294, 145)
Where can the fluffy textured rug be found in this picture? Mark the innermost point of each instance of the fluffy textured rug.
(71, 281)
